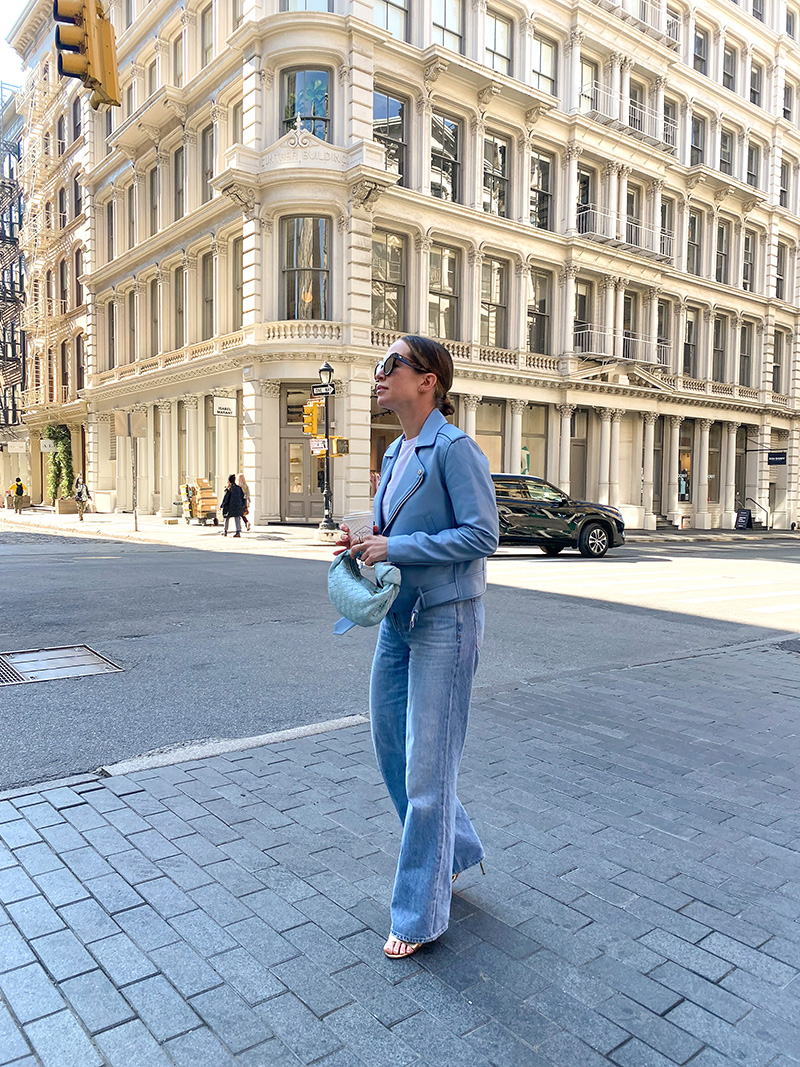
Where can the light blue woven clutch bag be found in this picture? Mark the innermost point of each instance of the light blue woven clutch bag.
(361, 602)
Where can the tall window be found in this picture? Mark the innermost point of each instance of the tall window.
(756, 83)
(237, 13)
(700, 57)
(110, 230)
(388, 280)
(61, 135)
(698, 145)
(749, 261)
(62, 208)
(306, 267)
(726, 152)
(237, 317)
(791, 22)
(48, 292)
(543, 73)
(153, 294)
(152, 77)
(783, 193)
(780, 271)
(237, 122)
(538, 312)
(788, 101)
(207, 162)
(131, 196)
(443, 294)
(77, 197)
(76, 118)
(494, 302)
(589, 83)
(77, 270)
(745, 353)
(65, 375)
(178, 182)
(445, 157)
(723, 252)
(306, 93)
(206, 35)
(778, 352)
(667, 242)
(729, 59)
(153, 190)
(389, 129)
(498, 43)
(690, 343)
(753, 164)
(758, 10)
(111, 334)
(132, 351)
(177, 61)
(719, 345)
(664, 329)
(207, 289)
(109, 129)
(179, 294)
(671, 123)
(495, 175)
(63, 288)
(693, 249)
(448, 17)
(541, 196)
(392, 15)
(80, 363)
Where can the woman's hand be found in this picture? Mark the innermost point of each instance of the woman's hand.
(343, 544)
(372, 549)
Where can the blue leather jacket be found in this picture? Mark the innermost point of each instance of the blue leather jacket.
(443, 522)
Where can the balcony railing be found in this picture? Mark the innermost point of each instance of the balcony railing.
(601, 104)
(46, 396)
(602, 342)
(648, 16)
(464, 351)
(596, 222)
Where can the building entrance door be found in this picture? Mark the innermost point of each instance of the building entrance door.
(301, 482)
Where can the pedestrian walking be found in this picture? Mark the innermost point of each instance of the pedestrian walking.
(82, 496)
(233, 505)
(435, 518)
(17, 491)
(241, 481)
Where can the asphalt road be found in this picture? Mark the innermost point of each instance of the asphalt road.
(218, 644)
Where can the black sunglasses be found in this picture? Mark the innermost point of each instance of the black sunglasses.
(391, 362)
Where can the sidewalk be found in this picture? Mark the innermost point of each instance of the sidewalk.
(640, 907)
(154, 530)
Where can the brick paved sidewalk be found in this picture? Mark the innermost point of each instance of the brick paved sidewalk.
(641, 904)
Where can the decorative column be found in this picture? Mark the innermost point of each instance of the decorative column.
(605, 415)
(702, 519)
(732, 355)
(729, 497)
(716, 140)
(422, 246)
(222, 303)
(619, 318)
(613, 458)
(526, 28)
(167, 487)
(608, 225)
(793, 473)
(269, 458)
(608, 287)
(195, 468)
(469, 413)
(567, 278)
(660, 85)
(473, 193)
(570, 165)
(192, 171)
(475, 258)
(193, 307)
(35, 489)
(673, 469)
(162, 172)
(613, 68)
(681, 308)
(648, 452)
(566, 412)
(705, 356)
(685, 156)
(515, 436)
(142, 337)
(572, 101)
(654, 191)
(625, 90)
(652, 297)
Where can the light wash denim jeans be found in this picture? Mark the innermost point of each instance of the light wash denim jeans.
(420, 692)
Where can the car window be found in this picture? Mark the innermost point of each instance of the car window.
(515, 488)
(545, 494)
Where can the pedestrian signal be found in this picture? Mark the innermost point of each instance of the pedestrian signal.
(340, 446)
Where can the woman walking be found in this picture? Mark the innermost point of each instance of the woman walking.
(82, 496)
(241, 481)
(436, 519)
(232, 506)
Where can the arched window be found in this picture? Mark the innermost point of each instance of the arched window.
(61, 134)
(77, 197)
(62, 208)
(76, 118)
(78, 271)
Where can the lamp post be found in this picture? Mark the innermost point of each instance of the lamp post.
(325, 377)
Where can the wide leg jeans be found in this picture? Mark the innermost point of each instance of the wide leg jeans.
(420, 692)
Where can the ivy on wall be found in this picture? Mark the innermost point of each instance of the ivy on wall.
(60, 473)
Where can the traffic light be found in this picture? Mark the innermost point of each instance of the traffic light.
(86, 48)
(310, 417)
(340, 446)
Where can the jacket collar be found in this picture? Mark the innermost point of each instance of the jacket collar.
(411, 478)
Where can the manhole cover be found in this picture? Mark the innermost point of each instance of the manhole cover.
(42, 664)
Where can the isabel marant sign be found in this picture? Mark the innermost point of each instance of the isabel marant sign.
(225, 405)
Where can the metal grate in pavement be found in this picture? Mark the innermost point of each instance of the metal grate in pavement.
(44, 664)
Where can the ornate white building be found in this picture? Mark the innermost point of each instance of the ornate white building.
(594, 204)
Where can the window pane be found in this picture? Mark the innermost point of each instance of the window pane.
(306, 267)
(306, 95)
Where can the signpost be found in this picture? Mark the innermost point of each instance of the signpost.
(18, 447)
(47, 444)
(744, 519)
(224, 405)
(323, 390)
(776, 459)
(132, 424)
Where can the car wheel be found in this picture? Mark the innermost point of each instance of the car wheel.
(552, 550)
(594, 540)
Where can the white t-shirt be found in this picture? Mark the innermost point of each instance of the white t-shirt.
(403, 459)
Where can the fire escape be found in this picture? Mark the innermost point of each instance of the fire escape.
(12, 338)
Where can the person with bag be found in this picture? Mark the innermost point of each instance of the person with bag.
(82, 496)
(17, 491)
(436, 521)
(233, 506)
(241, 481)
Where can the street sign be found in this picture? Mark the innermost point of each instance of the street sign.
(744, 519)
(224, 405)
(318, 445)
(776, 459)
(323, 390)
(17, 446)
(47, 444)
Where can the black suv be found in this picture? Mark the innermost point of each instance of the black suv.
(532, 511)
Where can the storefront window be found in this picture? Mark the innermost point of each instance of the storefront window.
(534, 440)
(489, 431)
(714, 451)
(685, 461)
